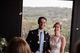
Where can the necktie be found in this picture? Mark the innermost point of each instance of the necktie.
(41, 42)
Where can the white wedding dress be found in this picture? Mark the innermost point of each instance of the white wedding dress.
(55, 44)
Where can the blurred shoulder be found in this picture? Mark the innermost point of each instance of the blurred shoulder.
(33, 30)
(46, 32)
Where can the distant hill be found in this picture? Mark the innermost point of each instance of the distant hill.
(49, 12)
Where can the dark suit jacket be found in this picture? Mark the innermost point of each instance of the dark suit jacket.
(33, 41)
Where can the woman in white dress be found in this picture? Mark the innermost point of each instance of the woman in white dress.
(58, 41)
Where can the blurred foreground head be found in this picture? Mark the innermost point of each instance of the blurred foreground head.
(18, 45)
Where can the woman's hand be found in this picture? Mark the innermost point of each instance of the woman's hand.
(37, 51)
(48, 51)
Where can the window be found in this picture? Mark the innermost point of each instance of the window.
(53, 10)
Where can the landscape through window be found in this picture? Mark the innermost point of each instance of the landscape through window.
(53, 10)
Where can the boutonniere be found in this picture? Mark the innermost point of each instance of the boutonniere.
(46, 38)
(38, 34)
(30, 41)
(32, 32)
(46, 32)
(38, 42)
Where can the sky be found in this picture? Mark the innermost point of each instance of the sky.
(47, 3)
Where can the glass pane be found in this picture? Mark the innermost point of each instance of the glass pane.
(54, 11)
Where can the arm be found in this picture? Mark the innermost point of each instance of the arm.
(28, 37)
(48, 44)
(63, 44)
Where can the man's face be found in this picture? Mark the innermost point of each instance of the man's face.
(42, 23)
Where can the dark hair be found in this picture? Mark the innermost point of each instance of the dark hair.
(78, 48)
(58, 24)
(18, 45)
(41, 18)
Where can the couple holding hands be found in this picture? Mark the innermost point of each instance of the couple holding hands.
(40, 41)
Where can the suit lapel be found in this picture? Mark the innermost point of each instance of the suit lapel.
(44, 36)
(36, 32)
(37, 35)
(44, 47)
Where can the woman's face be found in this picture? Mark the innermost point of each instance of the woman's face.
(57, 28)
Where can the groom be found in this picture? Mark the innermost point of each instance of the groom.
(38, 39)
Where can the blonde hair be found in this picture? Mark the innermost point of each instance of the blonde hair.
(59, 23)
(18, 45)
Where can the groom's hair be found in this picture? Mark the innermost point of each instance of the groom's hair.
(41, 18)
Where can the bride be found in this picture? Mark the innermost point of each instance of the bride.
(58, 41)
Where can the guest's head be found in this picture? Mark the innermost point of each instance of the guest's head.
(18, 45)
(57, 27)
(42, 22)
(78, 48)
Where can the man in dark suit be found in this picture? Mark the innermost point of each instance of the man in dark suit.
(38, 39)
